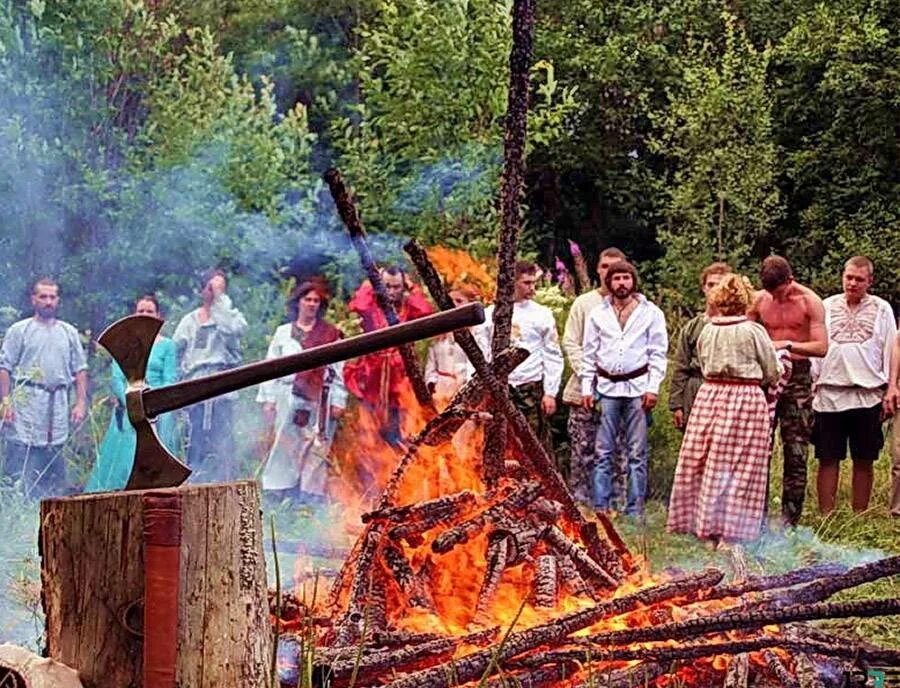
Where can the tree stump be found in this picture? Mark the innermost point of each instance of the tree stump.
(92, 572)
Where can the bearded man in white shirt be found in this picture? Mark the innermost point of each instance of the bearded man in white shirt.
(582, 423)
(849, 384)
(624, 363)
(535, 382)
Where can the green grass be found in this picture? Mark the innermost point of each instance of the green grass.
(842, 536)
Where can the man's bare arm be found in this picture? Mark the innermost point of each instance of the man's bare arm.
(818, 336)
(892, 398)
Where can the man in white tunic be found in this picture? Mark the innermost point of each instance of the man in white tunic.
(40, 359)
(208, 340)
(624, 363)
(535, 383)
(849, 384)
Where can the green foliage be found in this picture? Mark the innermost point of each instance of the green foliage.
(838, 89)
(422, 148)
(722, 199)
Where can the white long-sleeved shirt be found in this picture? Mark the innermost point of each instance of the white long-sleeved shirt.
(278, 391)
(858, 362)
(573, 336)
(643, 341)
(534, 329)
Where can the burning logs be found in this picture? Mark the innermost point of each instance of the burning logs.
(471, 666)
(533, 452)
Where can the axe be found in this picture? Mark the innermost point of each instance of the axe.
(129, 341)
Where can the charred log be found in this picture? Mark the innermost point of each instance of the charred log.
(329, 669)
(776, 582)
(498, 550)
(405, 577)
(447, 505)
(826, 587)
(586, 566)
(515, 500)
(350, 217)
(545, 582)
(778, 671)
(746, 620)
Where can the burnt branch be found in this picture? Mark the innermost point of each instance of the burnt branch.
(497, 513)
(689, 651)
(433, 651)
(586, 566)
(405, 577)
(350, 217)
(423, 511)
(763, 583)
(497, 561)
(826, 587)
(545, 582)
(739, 619)
(778, 671)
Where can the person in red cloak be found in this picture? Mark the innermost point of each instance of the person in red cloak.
(379, 379)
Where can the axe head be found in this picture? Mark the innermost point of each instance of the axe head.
(129, 341)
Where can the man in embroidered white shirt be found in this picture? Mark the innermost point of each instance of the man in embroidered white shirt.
(624, 363)
(535, 382)
(849, 384)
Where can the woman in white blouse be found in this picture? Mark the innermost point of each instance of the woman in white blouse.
(720, 481)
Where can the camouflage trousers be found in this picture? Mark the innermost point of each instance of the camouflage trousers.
(527, 398)
(895, 467)
(582, 429)
(794, 415)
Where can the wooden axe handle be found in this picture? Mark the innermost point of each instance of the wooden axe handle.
(182, 394)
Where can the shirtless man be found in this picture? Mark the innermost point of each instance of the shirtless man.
(795, 319)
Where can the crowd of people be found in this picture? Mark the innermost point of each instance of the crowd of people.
(826, 373)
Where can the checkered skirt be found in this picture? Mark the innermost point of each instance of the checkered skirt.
(720, 480)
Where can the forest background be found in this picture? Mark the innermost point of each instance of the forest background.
(143, 141)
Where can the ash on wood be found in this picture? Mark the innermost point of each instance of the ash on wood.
(92, 573)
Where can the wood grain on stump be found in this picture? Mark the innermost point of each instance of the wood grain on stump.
(92, 574)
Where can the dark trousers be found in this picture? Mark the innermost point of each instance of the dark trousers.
(795, 419)
(211, 450)
(41, 470)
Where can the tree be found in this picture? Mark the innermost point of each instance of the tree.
(722, 197)
(422, 148)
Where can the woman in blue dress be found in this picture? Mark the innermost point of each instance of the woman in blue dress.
(117, 449)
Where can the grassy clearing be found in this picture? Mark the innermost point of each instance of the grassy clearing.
(842, 536)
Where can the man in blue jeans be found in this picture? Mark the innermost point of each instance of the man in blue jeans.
(625, 344)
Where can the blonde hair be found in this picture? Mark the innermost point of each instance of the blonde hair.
(733, 295)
